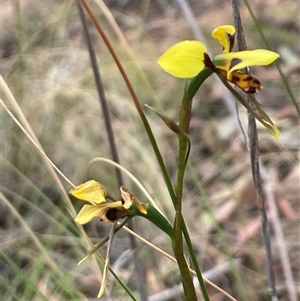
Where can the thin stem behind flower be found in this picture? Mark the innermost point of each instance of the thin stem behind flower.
(254, 156)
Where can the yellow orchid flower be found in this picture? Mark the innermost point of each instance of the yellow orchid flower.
(187, 58)
(94, 193)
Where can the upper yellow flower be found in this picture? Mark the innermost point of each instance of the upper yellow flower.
(94, 193)
(187, 58)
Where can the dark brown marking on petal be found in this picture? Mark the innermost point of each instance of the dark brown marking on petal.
(255, 85)
(256, 81)
(248, 78)
(247, 83)
(112, 214)
(234, 62)
(234, 79)
(222, 72)
(208, 63)
(250, 90)
(231, 41)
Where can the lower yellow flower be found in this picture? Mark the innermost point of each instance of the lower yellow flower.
(187, 58)
(94, 193)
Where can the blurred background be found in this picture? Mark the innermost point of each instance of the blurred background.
(45, 63)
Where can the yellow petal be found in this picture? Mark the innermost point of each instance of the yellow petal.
(90, 191)
(225, 35)
(87, 213)
(238, 60)
(184, 59)
(107, 212)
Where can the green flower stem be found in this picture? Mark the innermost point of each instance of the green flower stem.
(157, 219)
(194, 85)
(177, 243)
(184, 123)
(179, 225)
(197, 81)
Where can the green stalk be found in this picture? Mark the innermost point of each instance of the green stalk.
(185, 116)
(179, 225)
(177, 243)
